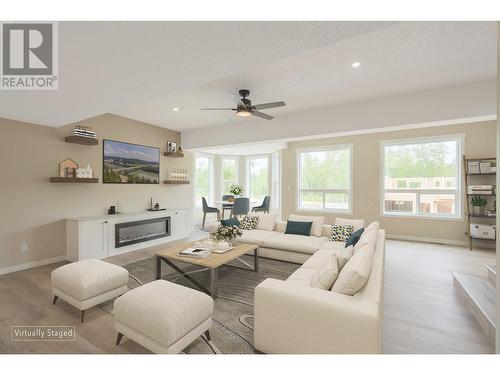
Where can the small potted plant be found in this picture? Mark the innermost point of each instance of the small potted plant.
(478, 204)
(236, 190)
(226, 233)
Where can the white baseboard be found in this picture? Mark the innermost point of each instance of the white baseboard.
(36, 263)
(426, 239)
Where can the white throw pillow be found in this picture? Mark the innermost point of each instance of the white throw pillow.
(326, 274)
(373, 226)
(266, 221)
(356, 223)
(355, 273)
(317, 223)
(369, 237)
(344, 255)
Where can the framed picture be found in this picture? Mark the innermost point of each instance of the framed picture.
(127, 163)
(171, 146)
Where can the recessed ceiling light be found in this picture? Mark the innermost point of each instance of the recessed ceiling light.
(356, 64)
(175, 109)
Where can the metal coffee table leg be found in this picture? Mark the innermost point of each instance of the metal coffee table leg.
(213, 282)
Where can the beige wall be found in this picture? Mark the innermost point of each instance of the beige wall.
(479, 142)
(32, 210)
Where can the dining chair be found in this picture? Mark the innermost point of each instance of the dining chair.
(225, 207)
(264, 207)
(208, 210)
(241, 206)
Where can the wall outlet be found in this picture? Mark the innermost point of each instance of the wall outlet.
(24, 247)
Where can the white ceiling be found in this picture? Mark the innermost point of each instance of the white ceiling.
(142, 70)
(259, 148)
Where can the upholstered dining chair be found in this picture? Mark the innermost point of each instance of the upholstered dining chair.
(241, 206)
(225, 207)
(208, 210)
(264, 207)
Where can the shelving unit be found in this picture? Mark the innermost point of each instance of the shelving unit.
(173, 154)
(176, 182)
(82, 140)
(468, 214)
(74, 180)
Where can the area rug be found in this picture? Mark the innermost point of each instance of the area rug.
(232, 331)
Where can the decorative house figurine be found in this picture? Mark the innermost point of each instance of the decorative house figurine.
(67, 168)
(84, 172)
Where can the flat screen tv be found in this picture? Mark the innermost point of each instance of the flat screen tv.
(127, 163)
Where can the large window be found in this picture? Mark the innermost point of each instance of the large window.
(258, 177)
(325, 176)
(229, 167)
(203, 175)
(421, 177)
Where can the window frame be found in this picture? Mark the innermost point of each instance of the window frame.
(459, 215)
(236, 159)
(210, 157)
(255, 157)
(336, 147)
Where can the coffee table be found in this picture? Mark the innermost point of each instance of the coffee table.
(212, 262)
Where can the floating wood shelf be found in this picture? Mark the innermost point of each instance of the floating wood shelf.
(483, 239)
(82, 140)
(173, 154)
(482, 174)
(483, 195)
(176, 182)
(74, 180)
(483, 217)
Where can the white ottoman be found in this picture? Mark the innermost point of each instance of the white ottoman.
(87, 283)
(162, 316)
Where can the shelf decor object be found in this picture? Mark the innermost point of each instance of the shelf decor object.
(176, 182)
(82, 135)
(480, 192)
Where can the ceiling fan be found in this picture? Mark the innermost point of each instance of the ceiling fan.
(246, 109)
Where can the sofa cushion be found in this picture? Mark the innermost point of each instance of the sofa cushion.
(230, 222)
(356, 223)
(326, 273)
(249, 222)
(343, 255)
(341, 232)
(355, 273)
(318, 258)
(266, 221)
(332, 245)
(373, 226)
(354, 238)
(294, 242)
(255, 236)
(302, 228)
(317, 223)
(302, 276)
(368, 237)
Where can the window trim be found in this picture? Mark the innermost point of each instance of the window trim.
(335, 147)
(236, 159)
(459, 216)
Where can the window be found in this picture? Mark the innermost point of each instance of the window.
(275, 179)
(325, 177)
(229, 173)
(422, 177)
(258, 177)
(203, 175)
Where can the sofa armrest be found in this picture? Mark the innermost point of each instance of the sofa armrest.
(291, 319)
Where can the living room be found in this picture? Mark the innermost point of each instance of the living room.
(330, 193)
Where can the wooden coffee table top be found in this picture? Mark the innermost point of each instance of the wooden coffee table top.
(212, 261)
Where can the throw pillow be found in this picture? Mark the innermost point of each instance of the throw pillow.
(356, 223)
(249, 222)
(355, 273)
(369, 237)
(326, 274)
(266, 221)
(354, 238)
(340, 233)
(230, 222)
(317, 223)
(298, 227)
(344, 255)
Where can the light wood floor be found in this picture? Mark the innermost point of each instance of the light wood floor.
(422, 311)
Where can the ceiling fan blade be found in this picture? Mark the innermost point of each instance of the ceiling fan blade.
(218, 109)
(269, 105)
(262, 115)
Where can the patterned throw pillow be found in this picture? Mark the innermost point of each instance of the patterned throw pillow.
(249, 222)
(341, 232)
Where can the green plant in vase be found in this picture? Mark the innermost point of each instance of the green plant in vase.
(478, 204)
(236, 190)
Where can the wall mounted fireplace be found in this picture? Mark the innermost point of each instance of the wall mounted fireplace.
(141, 231)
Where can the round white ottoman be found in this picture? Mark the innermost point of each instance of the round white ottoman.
(162, 316)
(87, 283)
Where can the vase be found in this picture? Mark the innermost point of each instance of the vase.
(476, 210)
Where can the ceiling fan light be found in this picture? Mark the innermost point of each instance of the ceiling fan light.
(244, 113)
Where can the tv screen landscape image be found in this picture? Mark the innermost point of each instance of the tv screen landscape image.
(127, 163)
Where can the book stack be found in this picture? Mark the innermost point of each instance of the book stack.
(481, 189)
(83, 131)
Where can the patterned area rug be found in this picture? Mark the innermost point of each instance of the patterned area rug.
(232, 332)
